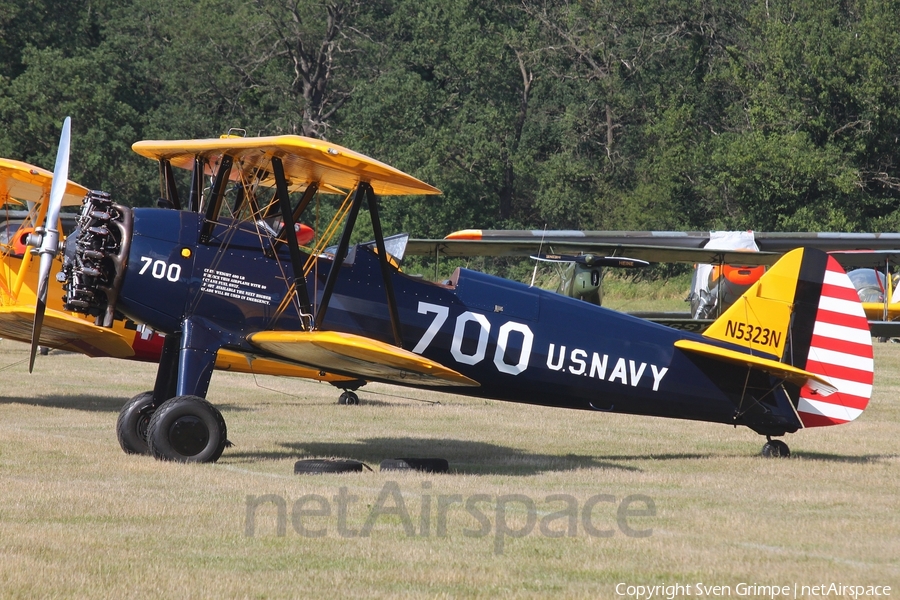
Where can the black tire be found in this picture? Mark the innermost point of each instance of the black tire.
(316, 466)
(132, 424)
(187, 429)
(776, 449)
(428, 465)
(349, 398)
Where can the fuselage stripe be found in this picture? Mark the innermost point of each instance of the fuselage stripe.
(856, 321)
(840, 292)
(837, 277)
(840, 371)
(836, 345)
(842, 333)
(826, 409)
(849, 387)
(838, 399)
(844, 307)
(861, 363)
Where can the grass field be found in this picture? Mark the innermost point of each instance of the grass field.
(668, 502)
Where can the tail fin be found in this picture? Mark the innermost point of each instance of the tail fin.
(806, 312)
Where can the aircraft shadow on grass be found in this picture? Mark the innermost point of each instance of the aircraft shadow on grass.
(88, 403)
(469, 457)
(75, 402)
(465, 457)
(862, 459)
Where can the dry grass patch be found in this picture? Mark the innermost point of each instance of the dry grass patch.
(80, 518)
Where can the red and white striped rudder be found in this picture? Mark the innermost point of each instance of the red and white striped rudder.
(840, 351)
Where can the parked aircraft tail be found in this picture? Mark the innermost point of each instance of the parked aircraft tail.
(806, 312)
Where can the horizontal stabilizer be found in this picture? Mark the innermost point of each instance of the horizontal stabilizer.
(64, 332)
(358, 356)
(817, 384)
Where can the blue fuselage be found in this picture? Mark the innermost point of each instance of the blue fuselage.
(520, 343)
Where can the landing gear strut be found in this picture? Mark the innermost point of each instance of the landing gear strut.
(775, 449)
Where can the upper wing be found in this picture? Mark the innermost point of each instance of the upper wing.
(857, 249)
(457, 248)
(357, 356)
(21, 182)
(768, 241)
(874, 259)
(306, 160)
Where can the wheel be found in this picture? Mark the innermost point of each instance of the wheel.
(187, 429)
(776, 449)
(44, 350)
(315, 466)
(131, 426)
(349, 398)
(428, 465)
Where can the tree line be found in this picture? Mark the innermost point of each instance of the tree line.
(566, 114)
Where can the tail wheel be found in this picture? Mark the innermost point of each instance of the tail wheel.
(349, 398)
(187, 429)
(315, 466)
(428, 465)
(132, 424)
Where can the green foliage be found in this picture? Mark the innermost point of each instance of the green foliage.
(584, 115)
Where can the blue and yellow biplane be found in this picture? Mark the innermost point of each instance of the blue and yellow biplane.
(215, 270)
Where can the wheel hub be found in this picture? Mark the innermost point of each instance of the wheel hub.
(189, 435)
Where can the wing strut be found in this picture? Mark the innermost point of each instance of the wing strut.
(216, 195)
(281, 191)
(196, 185)
(165, 168)
(363, 191)
(385, 268)
(343, 245)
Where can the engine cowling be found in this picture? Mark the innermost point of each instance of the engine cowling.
(95, 257)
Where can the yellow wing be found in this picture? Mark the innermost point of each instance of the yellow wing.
(228, 360)
(305, 160)
(64, 332)
(21, 183)
(357, 356)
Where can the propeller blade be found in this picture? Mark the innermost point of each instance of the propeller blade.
(617, 261)
(49, 247)
(554, 257)
(591, 260)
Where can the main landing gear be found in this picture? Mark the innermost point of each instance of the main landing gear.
(187, 429)
(348, 395)
(181, 429)
(775, 449)
(131, 426)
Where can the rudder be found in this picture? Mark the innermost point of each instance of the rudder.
(807, 313)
